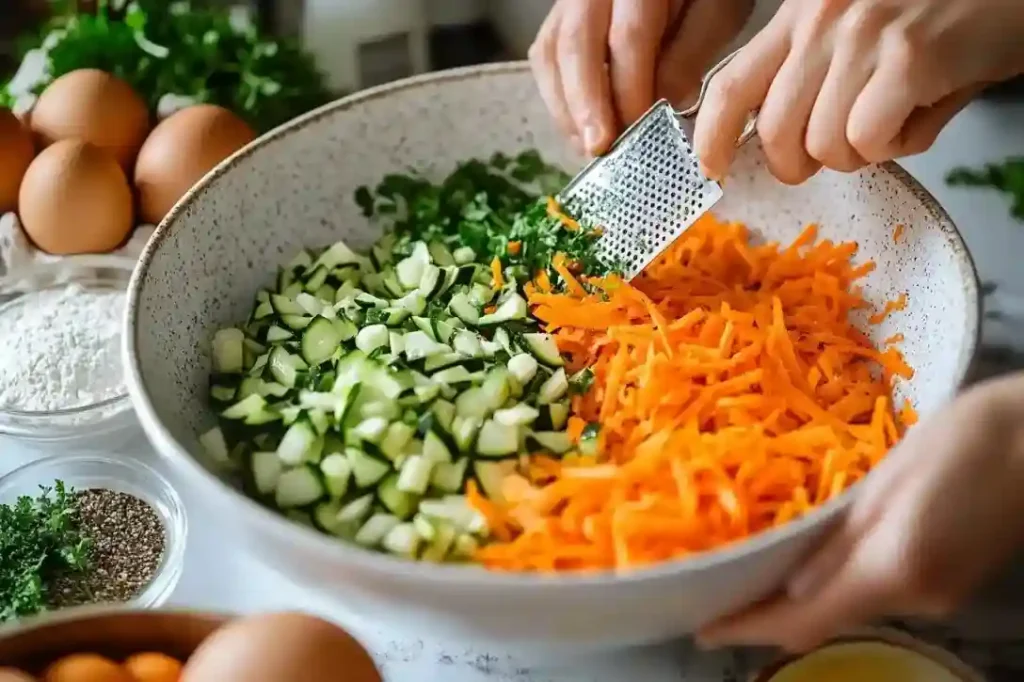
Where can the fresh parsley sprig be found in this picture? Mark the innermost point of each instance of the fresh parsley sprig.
(204, 54)
(39, 540)
(1006, 177)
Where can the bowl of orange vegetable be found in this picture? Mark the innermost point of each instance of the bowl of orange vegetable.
(539, 452)
(117, 645)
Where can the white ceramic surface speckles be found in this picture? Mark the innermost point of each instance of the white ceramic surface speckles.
(294, 188)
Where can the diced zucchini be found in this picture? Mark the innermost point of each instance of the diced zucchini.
(298, 487)
(356, 511)
(418, 345)
(518, 415)
(337, 473)
(376, 527)
(497, 440)
(463, 255)
(298, 444)
(311, 305)
(414, 476)
(403, 540)
(491, 475)
(434, 449)
(339, 255)
(450, 477)
(555, 442)
(523, 367)
(462, 308)
(266, 470)
(514, 308)
(556, 386)
(373, 337)
(400, 503)
(366, 469)
(320, 340)
(216, 447)
(440, 254)
(544, 348)
(464, 432)
(228, 351)
(467, 343)
(395, 439)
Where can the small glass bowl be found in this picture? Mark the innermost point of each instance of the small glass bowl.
(99, 427)
(125, 475)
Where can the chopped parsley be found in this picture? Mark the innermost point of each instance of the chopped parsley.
(496, 207)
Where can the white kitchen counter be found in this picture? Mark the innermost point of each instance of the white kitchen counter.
(221, 577)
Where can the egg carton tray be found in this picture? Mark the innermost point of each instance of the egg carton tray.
(23, 267)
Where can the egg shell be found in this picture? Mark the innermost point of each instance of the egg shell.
(16, 153)
(76, 199)
(180, 151)
(153, 667)
(284, 646)
(86, 668)
(92, 106)
(14, 675)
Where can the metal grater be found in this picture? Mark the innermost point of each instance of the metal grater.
(649, 188)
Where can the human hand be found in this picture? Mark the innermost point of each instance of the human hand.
(844, 83)
(600, 64)
(940, 515)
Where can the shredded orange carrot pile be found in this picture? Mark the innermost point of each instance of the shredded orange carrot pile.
(732, 394)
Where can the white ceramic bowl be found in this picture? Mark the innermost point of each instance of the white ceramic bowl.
(294, 188)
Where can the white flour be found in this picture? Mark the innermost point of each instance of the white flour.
(60, 348)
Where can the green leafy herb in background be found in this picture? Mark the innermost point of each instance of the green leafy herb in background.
(485, 205)
(39, 540)
(1006, 177)
(162, 48)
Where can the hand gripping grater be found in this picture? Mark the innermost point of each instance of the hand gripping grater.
(648, 188)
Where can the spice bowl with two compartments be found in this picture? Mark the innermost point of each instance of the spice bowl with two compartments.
(85, 472)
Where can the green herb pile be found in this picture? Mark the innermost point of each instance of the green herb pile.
(40, 540)
(486, 205)
(1006, 177)
(162, 48)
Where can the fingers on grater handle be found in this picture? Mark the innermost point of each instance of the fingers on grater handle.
(750, 129)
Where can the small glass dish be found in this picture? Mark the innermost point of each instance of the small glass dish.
(98, 427)
(121, 474)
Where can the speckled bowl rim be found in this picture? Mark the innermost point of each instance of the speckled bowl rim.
(472, 576)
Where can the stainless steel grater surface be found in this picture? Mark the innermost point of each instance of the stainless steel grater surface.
(645, 192)
(649, 188)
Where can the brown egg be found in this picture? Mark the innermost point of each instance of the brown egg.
(86, 668)
(16, 152)
(180, 151)
(75, 199)
(153, 667)
(13, 675)
(284, 646)
(96, 107)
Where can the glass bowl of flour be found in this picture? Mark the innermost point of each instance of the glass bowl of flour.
(61, 382)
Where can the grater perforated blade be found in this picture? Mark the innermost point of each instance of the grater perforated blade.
(648, 188)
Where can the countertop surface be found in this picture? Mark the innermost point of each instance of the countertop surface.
(220, 577)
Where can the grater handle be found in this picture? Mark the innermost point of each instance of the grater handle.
(750, 129)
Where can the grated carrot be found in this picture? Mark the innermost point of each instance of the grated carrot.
(733, 395)
(897, 234)
(497, 278)
(897, 305)
(555, 211)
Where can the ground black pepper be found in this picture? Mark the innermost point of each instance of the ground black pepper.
(127, 546)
